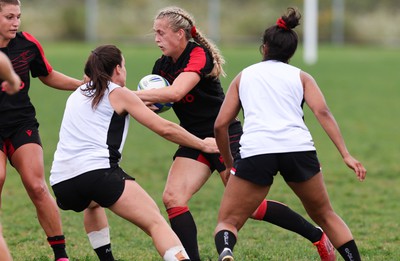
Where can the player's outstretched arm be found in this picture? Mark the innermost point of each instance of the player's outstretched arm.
(61, 81)
(124, 100)
(316, 101)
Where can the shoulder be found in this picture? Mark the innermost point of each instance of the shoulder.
(25, 40)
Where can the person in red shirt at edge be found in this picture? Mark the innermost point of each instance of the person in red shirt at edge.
(19, 135)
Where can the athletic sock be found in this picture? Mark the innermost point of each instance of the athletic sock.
(104, 253)
(182, 223)
(101, 243)
(281, 215)
(224, 239)
(349, 251)
(57, 243)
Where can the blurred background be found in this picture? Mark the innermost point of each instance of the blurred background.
(366, 22)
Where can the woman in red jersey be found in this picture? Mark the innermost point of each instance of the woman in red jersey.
(19, 134)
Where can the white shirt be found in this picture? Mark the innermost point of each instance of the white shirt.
(271, 94)
(90, 138)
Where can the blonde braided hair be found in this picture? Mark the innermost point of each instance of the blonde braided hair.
(180, 19)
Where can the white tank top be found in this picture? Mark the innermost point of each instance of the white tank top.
(90, 138)
(271, 94)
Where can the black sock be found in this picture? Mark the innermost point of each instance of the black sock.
(223, 239)
(349, 251)
(104, 253)
(57, 243)
(185, 228)
(282, 216)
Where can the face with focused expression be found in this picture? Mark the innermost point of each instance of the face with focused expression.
(10, 20)
(119, 76)
(171, 43)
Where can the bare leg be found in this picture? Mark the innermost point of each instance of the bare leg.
(4, 252)
(241, 198)
(185, 178)
(28, 161)
(98, 232)
(315, 199)
(3, 163)
(136, 206)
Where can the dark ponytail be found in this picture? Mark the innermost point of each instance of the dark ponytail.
(280, 41)
(99, 68)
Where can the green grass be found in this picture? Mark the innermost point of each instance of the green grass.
(361, 88)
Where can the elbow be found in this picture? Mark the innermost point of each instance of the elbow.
(323, 114)
(219, 128)
(176, 97)
(167, 131)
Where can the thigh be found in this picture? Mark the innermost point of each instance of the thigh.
(3, 164)
(136, 206)
(240, 199)
(186, 176)
(28, 161)
(313, 195)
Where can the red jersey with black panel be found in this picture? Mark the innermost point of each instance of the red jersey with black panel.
(199, 108)
(26, 55)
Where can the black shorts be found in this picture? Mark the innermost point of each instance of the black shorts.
(213, 161)
(13, 138)
(293, 166)
(104, 186)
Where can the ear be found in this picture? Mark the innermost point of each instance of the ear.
(117, 69)
(181, 33)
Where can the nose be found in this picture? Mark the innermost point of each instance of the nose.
(16, 22)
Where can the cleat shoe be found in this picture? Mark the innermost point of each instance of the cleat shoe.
(226, 255)
(63, 259)
(325, 248)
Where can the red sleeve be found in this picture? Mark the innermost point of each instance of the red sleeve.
(43, 58)
(197, 61)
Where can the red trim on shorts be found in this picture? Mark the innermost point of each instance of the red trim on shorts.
(202, 159)
(176, 211)
(260, 211)
(8, 148)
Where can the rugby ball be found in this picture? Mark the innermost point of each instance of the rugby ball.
(152, 81)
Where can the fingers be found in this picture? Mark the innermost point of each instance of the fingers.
(360, 171)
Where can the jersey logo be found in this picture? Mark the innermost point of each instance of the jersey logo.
(189, 98)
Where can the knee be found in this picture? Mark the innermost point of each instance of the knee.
(37, 190)
(322, 216)
(169, 199)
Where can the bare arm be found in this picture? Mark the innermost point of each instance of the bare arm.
(11, 81)
(174, 93)
(316, 101)
(60, 81)
(228, 112)
(124, 100)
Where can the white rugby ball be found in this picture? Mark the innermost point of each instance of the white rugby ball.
(152, 81)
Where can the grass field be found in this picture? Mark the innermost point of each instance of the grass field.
(361, 85)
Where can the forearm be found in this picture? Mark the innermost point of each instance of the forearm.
(61, 81)
(222, 139)
(179, 135)
(158, 95)
(332, 129)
